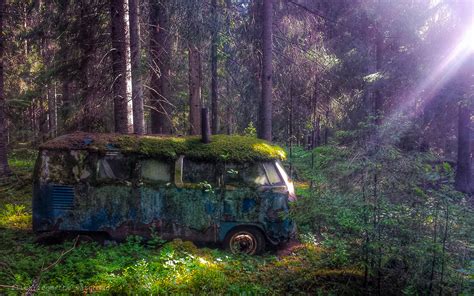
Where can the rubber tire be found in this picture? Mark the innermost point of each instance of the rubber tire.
(255, 234)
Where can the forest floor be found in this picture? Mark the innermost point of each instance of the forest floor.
(155, 266)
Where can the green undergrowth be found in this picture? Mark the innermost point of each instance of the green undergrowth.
(393, 213)
(221, 147)
(154, 267)
(176, 267)
(16, 190)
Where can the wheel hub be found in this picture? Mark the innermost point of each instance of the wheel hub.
(244, 243)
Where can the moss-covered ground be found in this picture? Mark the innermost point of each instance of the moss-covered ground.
(153, 267)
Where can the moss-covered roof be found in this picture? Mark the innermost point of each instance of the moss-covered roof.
(221, 147)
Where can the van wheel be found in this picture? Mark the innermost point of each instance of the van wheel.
(246, 240)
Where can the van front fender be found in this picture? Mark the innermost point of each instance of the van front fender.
(282, 230)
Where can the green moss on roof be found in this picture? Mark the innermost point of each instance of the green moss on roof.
(222, 147)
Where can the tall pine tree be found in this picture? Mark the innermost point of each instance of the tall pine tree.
(4, 168)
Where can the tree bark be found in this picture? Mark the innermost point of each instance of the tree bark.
(122, 114)
(194, 89)
(316, 133)
(378, 99)
(326, 127)
(160, 52)
(230, 121)
(66, 104)
(137, 89)
(463, 171)
(214, 86)
(52, 112)
(265, 126)
(205, 129)
(86, 34)
(4, 168)
(43, 121)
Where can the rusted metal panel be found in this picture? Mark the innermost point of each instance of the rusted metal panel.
(71, 193)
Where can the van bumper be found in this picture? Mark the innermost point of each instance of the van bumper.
(280, 232)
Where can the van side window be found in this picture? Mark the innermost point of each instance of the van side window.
(198, 171)
(245, 174)
(155, 170)
(272, 174)
(115, 167)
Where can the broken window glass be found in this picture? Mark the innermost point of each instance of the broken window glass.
(198, 171)
(154, 170)
(245, 174)
(115, 167)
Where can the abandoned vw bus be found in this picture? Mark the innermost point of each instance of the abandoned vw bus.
(232, 191)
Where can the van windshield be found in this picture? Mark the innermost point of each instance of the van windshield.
(273, 176)
(258, 174)
(282, 171)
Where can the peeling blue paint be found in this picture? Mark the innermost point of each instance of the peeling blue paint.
(128, 207)
(247, 205)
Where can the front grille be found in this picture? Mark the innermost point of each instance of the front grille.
(63, 197)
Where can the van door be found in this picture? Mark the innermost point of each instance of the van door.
(195, 208)
(111, 203)
(242, 200)
(255, 194)
(156, 184)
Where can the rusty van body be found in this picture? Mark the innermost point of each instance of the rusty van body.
(233, 190)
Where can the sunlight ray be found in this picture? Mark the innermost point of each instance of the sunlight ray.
(439, 75)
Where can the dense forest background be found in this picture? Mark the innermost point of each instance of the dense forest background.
(373, 100)
(69, 65)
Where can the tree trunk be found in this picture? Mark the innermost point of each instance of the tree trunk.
(230, 121)
(326, 128)
(378, 99)
(128, 68)
(53, 112)
(137, 89)
(214, 94)
(205, 128)
(43, 121)
(32, 114)
(194, 89)
(66, 104)
(463, 171)
(316, 134)
(86, 34)
(160, 52)
(265, 126)
(4, 168)
(122, 114)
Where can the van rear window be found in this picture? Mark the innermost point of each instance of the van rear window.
(114, 167)
(154, 170)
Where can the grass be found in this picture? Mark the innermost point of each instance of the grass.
(155, 267)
